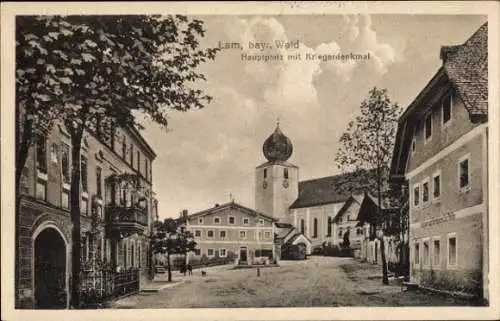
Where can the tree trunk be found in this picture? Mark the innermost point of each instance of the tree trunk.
(76, 139)
(385, 278)
(169, 268)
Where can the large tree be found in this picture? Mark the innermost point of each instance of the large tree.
(99, 73)
(170, 238)
(367, 144)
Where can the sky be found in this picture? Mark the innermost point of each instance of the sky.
(209, 154)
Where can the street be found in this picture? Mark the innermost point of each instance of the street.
(316, 282)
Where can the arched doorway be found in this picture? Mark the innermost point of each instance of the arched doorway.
(50, 270)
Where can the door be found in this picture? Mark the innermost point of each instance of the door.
(50, 270)
(243, 254)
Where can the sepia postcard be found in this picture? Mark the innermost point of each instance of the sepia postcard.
(250, 161)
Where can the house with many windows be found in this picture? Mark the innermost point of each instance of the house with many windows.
(232, 230)
(441, 151)
(117, 207)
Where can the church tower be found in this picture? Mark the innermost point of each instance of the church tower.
(276, 181)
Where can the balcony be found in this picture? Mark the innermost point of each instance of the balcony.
(123, 221)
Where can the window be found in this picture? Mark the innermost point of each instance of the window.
(416, 258)
(65, 166)
(98, 178)
(452, 250)
(463, 173)
(246, 221)
(146, 173)
(124, 148)
(131, 155)
(197, 233)
(222, 234)
(302, 226)
(216, 220)
(197, 252)
(231, 219)
(416, 195)
(413, 145)
(41, 154)
(222, 252)
(210, 233)
(315, 228)
(200, 220)
(243, 234)
(83, 173)
(265, 172)
(340, 233)
(426, 253)
(267, 235)
(329, 227)
(285, 173)
(425, 191)
(261, 221)
(428, 127)
(139, 247)
(210, 252)
(53, 153)
(436, 253)
(125, 254)
(446, 110)
(436, 185)
(359, 231)
(259, 235)
(84, 206)
(41, 189)
(65, 198)
(139, 161)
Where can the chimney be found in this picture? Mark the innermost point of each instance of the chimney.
(447, 51)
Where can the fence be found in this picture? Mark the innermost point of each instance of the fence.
(101, 285)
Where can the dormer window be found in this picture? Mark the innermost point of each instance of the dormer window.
(265, 172)
(285, 173)
(446, 107)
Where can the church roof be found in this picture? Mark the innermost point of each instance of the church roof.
(277, 147)
(332, 189)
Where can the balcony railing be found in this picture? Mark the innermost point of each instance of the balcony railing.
(126, 220)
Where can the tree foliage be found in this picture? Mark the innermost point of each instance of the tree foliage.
(97, 73)
(367, 144)
(170, 238)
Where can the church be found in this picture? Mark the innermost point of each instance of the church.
(302, 216)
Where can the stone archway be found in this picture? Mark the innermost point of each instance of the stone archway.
(50, 264)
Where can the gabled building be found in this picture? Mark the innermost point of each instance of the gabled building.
(232, 230)
(325, 206)
(441, 151)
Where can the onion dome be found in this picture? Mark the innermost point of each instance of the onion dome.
(277, 147)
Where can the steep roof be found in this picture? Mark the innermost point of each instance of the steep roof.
(230, 205)
(467, 68)
(332, 189)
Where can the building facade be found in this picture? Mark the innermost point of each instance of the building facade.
(232, 230)
(441, 151)
(117, 209)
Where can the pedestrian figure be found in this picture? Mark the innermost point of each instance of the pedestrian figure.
(190, 269)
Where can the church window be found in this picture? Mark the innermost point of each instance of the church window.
(285, 173)
(329, 227)
(315, 228)
(265, 172)
(302, 226)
